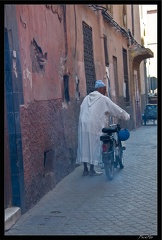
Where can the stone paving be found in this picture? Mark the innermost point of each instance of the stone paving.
(87, 205)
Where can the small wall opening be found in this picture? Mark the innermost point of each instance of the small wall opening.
(66, 88)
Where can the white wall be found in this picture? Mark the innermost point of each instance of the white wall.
(149, 22)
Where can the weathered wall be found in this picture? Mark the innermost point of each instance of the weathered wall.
(13, 93)
(48, 123)
(116, 43)
(49, 145)
(76, 14)
(42, 40)
(51, 45)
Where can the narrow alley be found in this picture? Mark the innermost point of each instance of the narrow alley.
(87, 205)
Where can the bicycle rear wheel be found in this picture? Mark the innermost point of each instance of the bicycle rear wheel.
(109, 166)
(109, 170)
(120, 161)
(119, 158)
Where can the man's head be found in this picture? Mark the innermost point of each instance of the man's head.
(100, 87)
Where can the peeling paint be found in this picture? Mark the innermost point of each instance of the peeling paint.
(62, 66)
(23, 21)
(39, 59)
(14, 67)
(27, 75)
(23, 106)
(56, 10)
(64, 105)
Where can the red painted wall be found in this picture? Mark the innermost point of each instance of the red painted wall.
(42, 24)
(48, 124)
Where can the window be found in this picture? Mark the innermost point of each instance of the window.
(125, 69)
(116, 78)
(66, 88)
(88, 58)
(106, 51)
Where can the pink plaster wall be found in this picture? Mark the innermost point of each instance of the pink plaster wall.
(47, 125)
(40, 23)
(47, 122)
(75, 61)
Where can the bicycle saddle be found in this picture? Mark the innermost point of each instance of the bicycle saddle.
(109, 130)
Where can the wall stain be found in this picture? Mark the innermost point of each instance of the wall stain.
(56, 10)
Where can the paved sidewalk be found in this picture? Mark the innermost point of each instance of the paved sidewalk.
(79, 205)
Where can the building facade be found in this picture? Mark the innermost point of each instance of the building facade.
(53, 55)
(148, 15)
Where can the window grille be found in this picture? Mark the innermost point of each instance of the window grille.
(88, 58)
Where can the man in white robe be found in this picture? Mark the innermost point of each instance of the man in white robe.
(94, 112)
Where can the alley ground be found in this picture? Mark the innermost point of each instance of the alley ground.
(87, 205)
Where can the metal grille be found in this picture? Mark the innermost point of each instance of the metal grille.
(88, 58)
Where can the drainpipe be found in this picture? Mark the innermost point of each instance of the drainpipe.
(75, 27)
(102, 40)
(105, 70)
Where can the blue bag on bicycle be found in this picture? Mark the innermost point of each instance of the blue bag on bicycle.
(124, 134)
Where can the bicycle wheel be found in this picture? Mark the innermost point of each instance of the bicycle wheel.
(109, 167)
(120, 159)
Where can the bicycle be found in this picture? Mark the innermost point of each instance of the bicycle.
(112, 149)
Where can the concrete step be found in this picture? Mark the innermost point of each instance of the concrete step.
(12, 215)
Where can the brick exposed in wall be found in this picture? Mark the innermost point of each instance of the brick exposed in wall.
(47, 127)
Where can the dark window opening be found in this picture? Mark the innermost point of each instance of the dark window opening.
(66, 88)
(125, 66)
(106, 51)
(116, 78)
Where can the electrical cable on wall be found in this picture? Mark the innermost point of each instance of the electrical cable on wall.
(110, 19)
